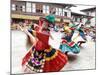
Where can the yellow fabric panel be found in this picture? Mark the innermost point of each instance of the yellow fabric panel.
(25, 17)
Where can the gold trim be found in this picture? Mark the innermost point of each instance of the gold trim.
(48, 50)
(52, 57)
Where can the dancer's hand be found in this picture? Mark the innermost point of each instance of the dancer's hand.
(23, 29)
(20, 27)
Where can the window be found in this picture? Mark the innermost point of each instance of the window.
(22, 8)
(16, 7)
(57, 11)
(13, 7)
(39, 8)
(52, 10)
(60, 12)
(33, 8)
(46, 9)
(65, 13)
(28, 7)
(75, 19)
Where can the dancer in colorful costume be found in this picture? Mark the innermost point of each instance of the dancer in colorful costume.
(67, 45)
(41, 56)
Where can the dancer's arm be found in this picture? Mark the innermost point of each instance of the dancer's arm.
(27, 32)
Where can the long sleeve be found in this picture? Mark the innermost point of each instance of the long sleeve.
(30, 30)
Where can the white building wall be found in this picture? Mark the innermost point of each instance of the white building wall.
(93, 22)
(93, 13)
(68, 12)
(93, 19)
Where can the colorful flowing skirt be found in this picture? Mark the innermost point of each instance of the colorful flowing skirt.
(49, 60)
(66, 48)
(76, 37)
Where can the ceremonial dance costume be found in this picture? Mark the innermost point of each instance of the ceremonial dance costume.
(67, 45)
(42, 57)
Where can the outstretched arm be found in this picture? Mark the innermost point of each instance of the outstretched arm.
(27, 32)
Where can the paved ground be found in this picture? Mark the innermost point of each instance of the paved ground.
(84, 60)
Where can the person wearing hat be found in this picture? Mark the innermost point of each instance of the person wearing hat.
(41, 54)
(67, 45)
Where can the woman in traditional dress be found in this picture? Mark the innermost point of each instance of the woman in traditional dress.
(67, 45)
(41, 56)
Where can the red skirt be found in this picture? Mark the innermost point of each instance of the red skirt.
(54, 60)
(55, 64)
